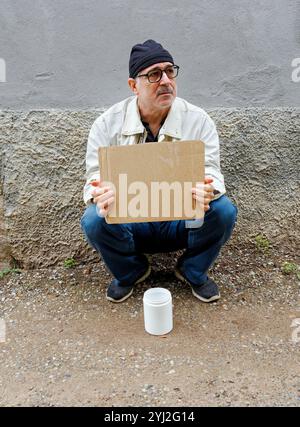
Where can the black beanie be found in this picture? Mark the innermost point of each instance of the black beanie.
(146, 54)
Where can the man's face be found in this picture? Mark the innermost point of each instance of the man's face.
(155, 96)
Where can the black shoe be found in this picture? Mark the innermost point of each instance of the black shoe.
(119, 293)
(206, 292)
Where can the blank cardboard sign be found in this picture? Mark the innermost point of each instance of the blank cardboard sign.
(153, 181)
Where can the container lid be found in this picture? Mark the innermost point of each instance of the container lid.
(157, 296)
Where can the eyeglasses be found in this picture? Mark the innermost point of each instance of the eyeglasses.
(155, 76)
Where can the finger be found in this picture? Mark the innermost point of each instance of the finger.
(110, 202)
(198, 192)
(204, 183)
(208, 187)
(199, 186)
(99, 191)
(105, 205)
(102, 211)
(209, 196)
(203, 203)
(200, 200)
(101, 203)
(105, 196)
(204, 195)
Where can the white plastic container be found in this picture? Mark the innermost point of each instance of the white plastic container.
(158, 312)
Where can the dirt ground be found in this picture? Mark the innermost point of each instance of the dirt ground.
(66, 345)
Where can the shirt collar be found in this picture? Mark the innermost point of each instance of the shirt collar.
(133, 125)
(132, 122)
(173, 122)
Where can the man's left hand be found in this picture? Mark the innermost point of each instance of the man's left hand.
(204, 193)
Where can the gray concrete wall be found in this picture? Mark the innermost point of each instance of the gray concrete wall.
(74, 53)
(67, 60)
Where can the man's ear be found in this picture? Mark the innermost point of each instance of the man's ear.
(132, 85)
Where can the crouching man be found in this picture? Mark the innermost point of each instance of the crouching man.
(155, 113)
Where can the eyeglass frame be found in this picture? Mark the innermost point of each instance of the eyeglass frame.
(176, 67)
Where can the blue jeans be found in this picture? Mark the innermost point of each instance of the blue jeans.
(122, 246)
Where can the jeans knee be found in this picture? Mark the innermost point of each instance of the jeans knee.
(91, 222)
(225, 212)
(98, 232)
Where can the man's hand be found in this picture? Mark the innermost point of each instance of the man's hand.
(204, 193)
(104, 197)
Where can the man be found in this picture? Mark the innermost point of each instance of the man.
(155, 113)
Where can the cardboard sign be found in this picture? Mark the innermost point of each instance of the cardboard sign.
(153, 181)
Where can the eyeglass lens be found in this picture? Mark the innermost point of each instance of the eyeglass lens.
(156, 75)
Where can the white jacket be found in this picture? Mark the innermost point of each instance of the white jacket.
(121, 125)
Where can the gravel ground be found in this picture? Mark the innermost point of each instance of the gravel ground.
(66, 345)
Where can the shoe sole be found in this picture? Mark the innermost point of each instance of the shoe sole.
(141, 279)
(183, 279)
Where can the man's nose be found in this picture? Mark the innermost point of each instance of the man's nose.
(164, 78)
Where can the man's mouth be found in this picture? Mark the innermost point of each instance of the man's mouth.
(166, 92)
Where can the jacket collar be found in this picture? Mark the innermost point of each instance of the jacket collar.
(133, 125)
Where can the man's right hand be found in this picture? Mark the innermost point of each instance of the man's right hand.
(104, 197)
